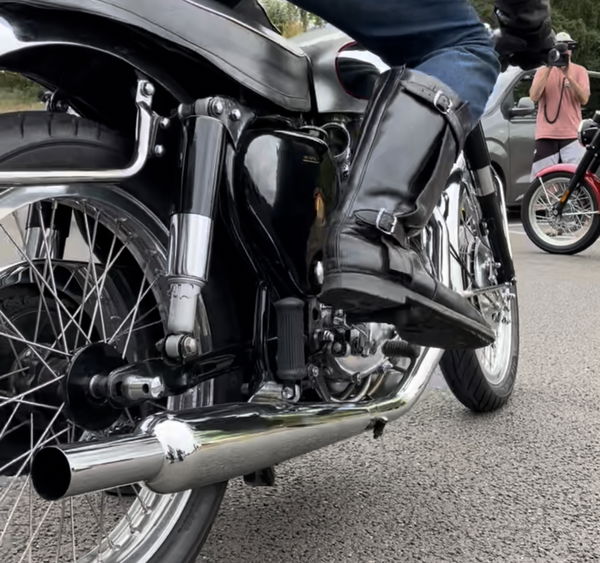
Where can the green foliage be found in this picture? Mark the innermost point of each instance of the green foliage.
(581, 18)
(290, 19)
(14, 85)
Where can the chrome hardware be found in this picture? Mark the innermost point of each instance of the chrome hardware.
(159, 151)
(148, 88)
(189, 246)
(442, 102)
(189, 254)
(41, 242)
(146, 131)
(235, 115)
(130, 388)
(216, 107)
(173, 452)
(181, 346)
(380, 216)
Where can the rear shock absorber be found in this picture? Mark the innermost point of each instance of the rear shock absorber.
(190, 237)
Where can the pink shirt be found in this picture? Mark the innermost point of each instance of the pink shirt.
(569, 118)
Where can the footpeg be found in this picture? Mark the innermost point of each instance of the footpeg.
(291, 362)
(400, 349)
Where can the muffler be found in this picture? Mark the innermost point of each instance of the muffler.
(171, 453)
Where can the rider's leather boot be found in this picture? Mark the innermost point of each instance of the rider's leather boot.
(414, 129)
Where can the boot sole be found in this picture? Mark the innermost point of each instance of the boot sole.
(418, 320)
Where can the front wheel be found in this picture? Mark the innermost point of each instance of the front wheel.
(483, 379)
(575, 230)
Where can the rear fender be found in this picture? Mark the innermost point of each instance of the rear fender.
(95, 63)
(591, 178)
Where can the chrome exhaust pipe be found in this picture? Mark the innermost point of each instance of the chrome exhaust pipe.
(174, 452)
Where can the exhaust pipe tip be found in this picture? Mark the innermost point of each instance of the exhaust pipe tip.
(51, 473)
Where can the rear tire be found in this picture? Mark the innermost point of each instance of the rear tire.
(40, 140)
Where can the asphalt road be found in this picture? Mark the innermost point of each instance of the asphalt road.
(443, 484)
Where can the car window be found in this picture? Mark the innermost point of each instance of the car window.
(521, 89)
(594, 103)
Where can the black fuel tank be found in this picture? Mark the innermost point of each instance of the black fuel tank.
(286, 188)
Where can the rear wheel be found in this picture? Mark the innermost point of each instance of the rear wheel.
(575, 230)
(89, 269)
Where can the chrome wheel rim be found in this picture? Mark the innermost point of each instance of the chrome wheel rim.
(498, 306)
(576, 220)
(97, 527)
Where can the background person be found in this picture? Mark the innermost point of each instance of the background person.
(561, 92)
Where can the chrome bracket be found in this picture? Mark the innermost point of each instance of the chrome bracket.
(146, 128)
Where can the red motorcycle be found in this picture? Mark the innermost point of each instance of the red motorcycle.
(561, 209)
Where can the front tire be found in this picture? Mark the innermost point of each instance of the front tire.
(58, 141)
(579, 226)
(483, 379)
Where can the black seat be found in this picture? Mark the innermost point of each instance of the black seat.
(234, 40)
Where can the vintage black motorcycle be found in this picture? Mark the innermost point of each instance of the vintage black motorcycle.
(162, 226)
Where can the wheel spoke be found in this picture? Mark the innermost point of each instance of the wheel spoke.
(102, 282)
(92, 265)
(59, 303)
(133, 317)
(17, 398)
(8, 322)
(132, 312)
(48, 266)
(41, 442)
(31, 344)
(86, 295)
(37, 531)
(30, 403)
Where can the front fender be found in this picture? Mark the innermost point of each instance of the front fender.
(591, 178)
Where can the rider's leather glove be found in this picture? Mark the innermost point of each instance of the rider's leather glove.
(526, 34)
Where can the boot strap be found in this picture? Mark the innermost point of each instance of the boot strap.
(385, 222)
(457, 116)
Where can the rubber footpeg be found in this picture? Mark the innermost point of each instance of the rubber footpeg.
(291, 362)
(399, 349)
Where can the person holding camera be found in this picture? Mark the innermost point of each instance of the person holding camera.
(561, 88)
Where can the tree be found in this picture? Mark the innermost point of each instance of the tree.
(290, 19)
(581, 18)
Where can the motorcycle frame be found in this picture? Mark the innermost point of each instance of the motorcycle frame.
(219, 122)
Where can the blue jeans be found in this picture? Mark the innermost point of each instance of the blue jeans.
(443, 38)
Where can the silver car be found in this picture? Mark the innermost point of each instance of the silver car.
(509, 125)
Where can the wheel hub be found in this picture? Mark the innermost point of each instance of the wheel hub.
(94, 362)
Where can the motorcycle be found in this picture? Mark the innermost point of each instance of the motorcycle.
(561, 209)
(162, 228)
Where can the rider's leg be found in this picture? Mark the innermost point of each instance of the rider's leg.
(442, 38)
(413, 131)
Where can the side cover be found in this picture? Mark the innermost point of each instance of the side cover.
(242, 47)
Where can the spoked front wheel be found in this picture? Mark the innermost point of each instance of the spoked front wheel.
(570, 233)
(483, 379)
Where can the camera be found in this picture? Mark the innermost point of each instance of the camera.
(559, 56)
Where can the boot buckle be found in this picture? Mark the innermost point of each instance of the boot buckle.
(386, 222)
(442, 102)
